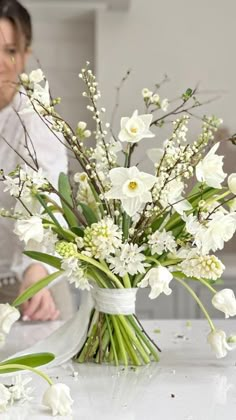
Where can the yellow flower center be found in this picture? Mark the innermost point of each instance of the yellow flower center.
(133, 185)
(134, 130)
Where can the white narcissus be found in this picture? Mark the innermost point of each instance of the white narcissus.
(210, 169)
(135, 128)
(58, 399)
(132, 187)
(30, 229)
(225, 301)
(8, 315)
(158, 279)
(218, 343)
(232, 183)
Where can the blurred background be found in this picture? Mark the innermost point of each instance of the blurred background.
(192, 42)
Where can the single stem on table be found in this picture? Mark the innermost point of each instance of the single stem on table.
(196, 298)
(24, 367)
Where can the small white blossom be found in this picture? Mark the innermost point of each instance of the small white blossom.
(129, 259)
(158, 279)
(210, 169)
(58, 399)
(132, 187)
(36, 76)
(162, 242)
(74, 273)
(82, 125)
(164, 104)
(19, 391)
(135, 128)
(218, 343)
(146, 93)
(225, 301)
(5, 397)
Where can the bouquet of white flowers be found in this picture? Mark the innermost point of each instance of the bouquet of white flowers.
(123, 228)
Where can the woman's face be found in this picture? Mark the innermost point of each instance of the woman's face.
(13, 55)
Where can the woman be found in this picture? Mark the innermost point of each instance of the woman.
(17, 272)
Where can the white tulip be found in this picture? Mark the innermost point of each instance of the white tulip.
(210, 169)
(8, 315)
(218, 343)
(225, 301)
(58, 398)
(30, 229)
(132, 187)
(232, 183)
(135, 128)
(5, 397)
(36, 76)
(158, 278)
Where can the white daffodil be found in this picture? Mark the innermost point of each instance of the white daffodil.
(5, 397)
(8, 315)
(210, 169)
(232, 183)
(36, 76)
(58, 399)
(135, 128)
(225, 301)
(216, 232)
(30, 229)
(158, 279)
(218, 343)
(132, 187)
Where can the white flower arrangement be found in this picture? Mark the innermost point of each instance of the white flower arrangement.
(124, 228)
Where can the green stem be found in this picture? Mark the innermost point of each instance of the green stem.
(204, 282)
(102, 268)
(112, 341)
(119, 339)
(148, 342)
(24, 367)
(127, 282)
(196, 298)
(126, 225)
(130, 349)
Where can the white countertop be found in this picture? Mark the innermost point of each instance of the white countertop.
(188, 383)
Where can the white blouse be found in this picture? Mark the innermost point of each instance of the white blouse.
(51, 156)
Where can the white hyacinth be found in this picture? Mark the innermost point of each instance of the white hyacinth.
(162, 242)
(129, 259)
(102, 239)
(207, 266)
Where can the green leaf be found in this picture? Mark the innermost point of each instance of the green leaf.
(88, 214)
(45, 258)
(35, 288)
(32, 360)
(66, 192)
(78, 231)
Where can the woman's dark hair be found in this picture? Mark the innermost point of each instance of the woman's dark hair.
(19, 16)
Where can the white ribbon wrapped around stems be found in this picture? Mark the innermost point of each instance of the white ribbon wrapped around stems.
(74, 331)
